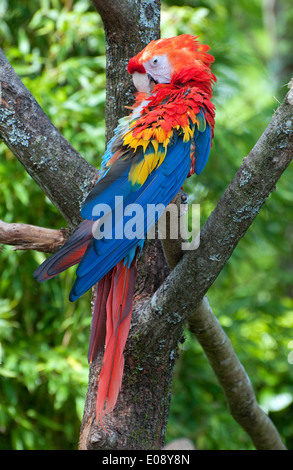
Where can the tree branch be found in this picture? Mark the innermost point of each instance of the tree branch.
(52, 162)
(233, 379)
(230, 372)
(30, 237)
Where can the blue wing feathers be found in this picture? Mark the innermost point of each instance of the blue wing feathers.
(161, 186)
(101, 256)
(202, 149)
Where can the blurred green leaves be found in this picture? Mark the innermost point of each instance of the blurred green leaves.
(58, 49)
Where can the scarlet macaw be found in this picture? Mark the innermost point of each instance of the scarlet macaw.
(166, 138)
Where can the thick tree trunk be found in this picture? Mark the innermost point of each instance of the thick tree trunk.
(129, 27)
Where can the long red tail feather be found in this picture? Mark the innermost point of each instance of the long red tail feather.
(119, 308)
(98, 327)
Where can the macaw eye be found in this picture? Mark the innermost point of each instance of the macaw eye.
(155, 60)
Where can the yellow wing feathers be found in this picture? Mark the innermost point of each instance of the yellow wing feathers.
(150, 131)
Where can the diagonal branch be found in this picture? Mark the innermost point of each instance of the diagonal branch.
(230, 372)
(234, 381)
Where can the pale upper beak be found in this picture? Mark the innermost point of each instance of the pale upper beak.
(143, 82)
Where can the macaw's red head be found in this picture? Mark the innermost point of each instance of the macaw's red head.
(181, 59)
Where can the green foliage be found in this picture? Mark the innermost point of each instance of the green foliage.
(58, 49)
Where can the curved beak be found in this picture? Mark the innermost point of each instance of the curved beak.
(143, 82)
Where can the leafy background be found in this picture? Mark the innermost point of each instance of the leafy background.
(58, 49)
